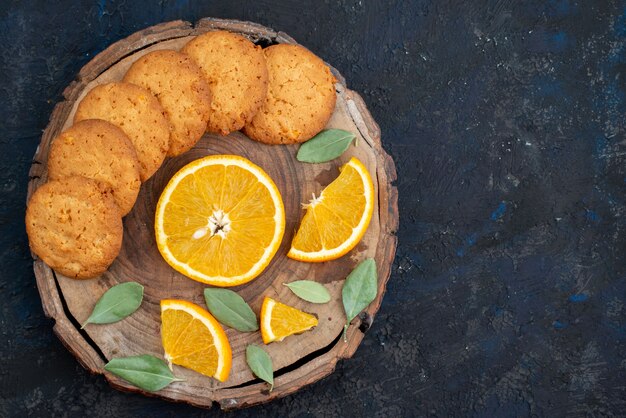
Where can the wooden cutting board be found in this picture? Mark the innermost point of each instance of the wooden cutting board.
(298, 360)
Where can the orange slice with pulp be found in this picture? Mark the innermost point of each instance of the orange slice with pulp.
(192, 338)
(220, 220)
(337, 219)
(279, 321)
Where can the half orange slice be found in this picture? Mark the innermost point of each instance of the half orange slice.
(192, 338)
(337, 219)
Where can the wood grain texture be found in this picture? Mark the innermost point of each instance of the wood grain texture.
(69, 302)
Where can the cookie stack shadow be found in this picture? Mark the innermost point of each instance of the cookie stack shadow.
(219, 82)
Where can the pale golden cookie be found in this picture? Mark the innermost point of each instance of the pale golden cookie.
(300, 99)
(74, 227)
(98, 150)
(138, 113)
(180, 87)
(237, 75)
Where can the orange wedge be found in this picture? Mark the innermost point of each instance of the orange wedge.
(279, 321)
(220, 220)
(192, 338)
(337, 219)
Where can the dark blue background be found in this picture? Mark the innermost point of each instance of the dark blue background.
(506, 120)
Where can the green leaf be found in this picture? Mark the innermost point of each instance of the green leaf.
(359, 290)
(260, 363)
(310, 291)
(230, 309)
(117, 303)
(325, 146)
(146, 372)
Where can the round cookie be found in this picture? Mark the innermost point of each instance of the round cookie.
(300, 99)
(237, 75)
(138, 113)
(180, 87)
(74, 227)
(101, 151)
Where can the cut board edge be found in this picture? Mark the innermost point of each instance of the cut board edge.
(52, 303)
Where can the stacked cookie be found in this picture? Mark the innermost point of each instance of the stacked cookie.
(220, 82)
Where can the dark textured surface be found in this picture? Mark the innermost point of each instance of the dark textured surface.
(506, 120)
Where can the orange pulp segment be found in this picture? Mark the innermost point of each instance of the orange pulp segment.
(337, 219)
(192, 338)
(279, 321)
